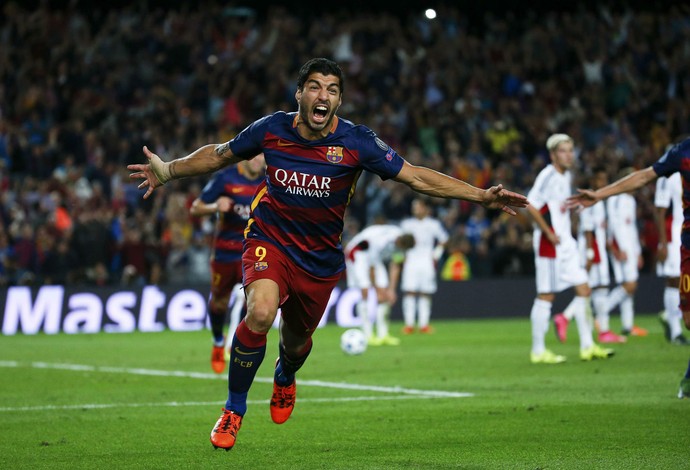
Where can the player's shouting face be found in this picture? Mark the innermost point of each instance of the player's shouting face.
(318, 101)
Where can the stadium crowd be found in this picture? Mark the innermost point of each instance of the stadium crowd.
(83, 89)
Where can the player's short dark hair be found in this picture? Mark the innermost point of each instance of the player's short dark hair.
(322, 66)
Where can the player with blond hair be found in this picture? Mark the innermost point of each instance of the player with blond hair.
(556, 256)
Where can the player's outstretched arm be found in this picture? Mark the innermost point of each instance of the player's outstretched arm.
(432, 183)
(156, 172)
(635, 180)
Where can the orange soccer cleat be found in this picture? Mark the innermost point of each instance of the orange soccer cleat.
(218, 359)
(225, 431)
(638, 331)
(282, 401)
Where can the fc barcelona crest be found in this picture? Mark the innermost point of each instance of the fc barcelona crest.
(334, 154)
(260, 266)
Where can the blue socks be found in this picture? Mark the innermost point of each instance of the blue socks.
(287, 366)
(247, 352)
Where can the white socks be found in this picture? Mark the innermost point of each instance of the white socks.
(382, 312)
(627, 312)
(539, 317)
(584, 329)
(601, 310)
(615, 297)
(418, 308)
(541, 314)
(362, 310)
(409, 307)
(424, 306)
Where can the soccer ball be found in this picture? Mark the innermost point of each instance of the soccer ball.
(353, 341)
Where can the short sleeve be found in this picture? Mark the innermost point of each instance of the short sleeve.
(376, 156)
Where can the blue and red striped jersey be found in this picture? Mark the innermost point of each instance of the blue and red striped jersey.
(677, 159)
(235, 184)
(301, 204)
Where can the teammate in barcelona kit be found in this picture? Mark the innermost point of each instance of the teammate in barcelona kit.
(419, 270)
(557, 260)
(292, 256)
(668, 200)
(374, 258)
(227, 196)
(676, 159)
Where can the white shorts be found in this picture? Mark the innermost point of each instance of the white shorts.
(670, 267)
(558, 274)
(626, 271)
(418, 275)
(358, 276)
(599, 275)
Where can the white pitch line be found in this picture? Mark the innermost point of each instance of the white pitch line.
(100, 406)
(374, 388)
(203, 375)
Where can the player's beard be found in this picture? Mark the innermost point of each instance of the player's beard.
(305, 118)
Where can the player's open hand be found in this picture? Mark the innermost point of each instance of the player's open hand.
(155, 173)
(583, 198)
(498, 198)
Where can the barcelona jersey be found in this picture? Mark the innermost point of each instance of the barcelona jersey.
(677, 159)
(233, 183)
(301, 204)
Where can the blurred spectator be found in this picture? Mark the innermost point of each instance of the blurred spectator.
(456, 266)
(135, 266)
(7, 261)
(477, 225)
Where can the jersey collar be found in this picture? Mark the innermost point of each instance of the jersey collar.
(334, 126)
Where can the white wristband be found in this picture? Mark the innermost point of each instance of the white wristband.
(162, 170)
(590, 254)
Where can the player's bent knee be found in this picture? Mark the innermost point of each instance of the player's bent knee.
(260, 317)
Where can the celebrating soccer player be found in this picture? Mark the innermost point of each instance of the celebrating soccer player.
(293, 256)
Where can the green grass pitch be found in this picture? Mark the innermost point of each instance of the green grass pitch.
(464, 397)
